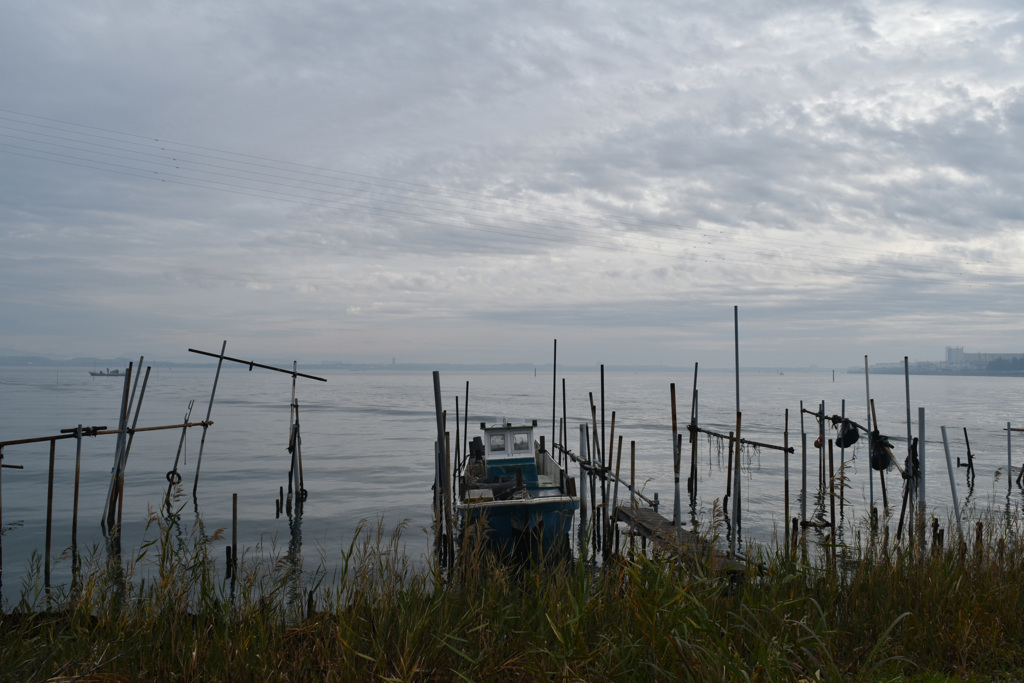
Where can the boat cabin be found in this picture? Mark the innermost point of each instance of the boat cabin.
(509, 447)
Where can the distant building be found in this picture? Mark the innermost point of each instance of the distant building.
(956, 357)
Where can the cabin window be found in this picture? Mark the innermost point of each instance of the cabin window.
(521, 441)
(497, 443)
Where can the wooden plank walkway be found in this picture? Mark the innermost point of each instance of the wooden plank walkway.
(667, 538)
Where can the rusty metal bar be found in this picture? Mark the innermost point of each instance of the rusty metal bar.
(253, 364)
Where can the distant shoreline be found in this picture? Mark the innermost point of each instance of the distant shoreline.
(104, 363)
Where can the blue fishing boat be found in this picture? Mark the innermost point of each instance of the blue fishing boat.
(524, 500)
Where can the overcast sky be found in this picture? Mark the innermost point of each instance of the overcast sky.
(467, 181)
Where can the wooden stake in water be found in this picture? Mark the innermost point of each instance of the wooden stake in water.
(867, 391)
(803, 466)
(234, 538)
(832, 490)
(785, 470)
(736, 488)
(49, 516)
(439, 447)
(952, 481)
(677, 513)
(921, 498)
(74, 508)
(209, 410)
(554, 395)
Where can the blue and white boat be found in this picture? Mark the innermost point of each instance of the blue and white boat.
(523, 498)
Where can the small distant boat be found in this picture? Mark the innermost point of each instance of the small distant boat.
(524, 498)
(108, 373)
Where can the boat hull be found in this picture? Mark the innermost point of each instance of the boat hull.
(522, 525)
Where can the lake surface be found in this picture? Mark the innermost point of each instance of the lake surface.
(367, 447)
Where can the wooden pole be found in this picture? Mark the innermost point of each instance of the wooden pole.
(921, 498)
(736, 488)
(785, 468)
(867, 391)
(107, 521)
(842, 466)
(693, 447)
(565, 427)
(1, 522)
(676, 505)
(49, 516)
(234, 537)
(728, 474)
(609, 503)
(632, 497)
(952, 482)
(554, 394)
(803, 468)
(832, 489)
(881, 472)
(439, 529)
(74, 508)
(209, 409)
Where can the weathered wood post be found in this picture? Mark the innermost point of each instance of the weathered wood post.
(49, 516)
(677, 513)
(803, 469)
(736, 487)
(952, 482)
(209, 410)
(439, 529)
(867, 391)
(785, 470)
(74, 509)
(1009, 461)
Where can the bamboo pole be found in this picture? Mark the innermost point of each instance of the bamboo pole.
(209, 409)
(867, 391)
(803, 468)
(74, 509)
(677, 513)
(693, 449)
(49, 516)
(438, 459)
(785, 469)
(736, 489)
(234, 538)
(921, 498)
(842, 463)
(832, 489)
(554, 393)
(952, 482)
(128, 447)
(122, 422)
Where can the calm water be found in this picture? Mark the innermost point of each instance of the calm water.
(367, 444)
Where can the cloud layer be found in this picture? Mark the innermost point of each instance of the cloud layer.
(467, 181)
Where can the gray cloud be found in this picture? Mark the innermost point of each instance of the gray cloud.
(363, 181)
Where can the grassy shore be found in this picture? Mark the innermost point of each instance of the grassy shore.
(886, 613)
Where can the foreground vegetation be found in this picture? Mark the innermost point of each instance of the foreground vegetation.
(887, 613)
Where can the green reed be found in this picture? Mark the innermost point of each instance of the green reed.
(871, 610)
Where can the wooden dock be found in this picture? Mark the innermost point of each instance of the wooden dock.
(666, 538)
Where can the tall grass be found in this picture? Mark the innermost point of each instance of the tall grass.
(885, 612)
